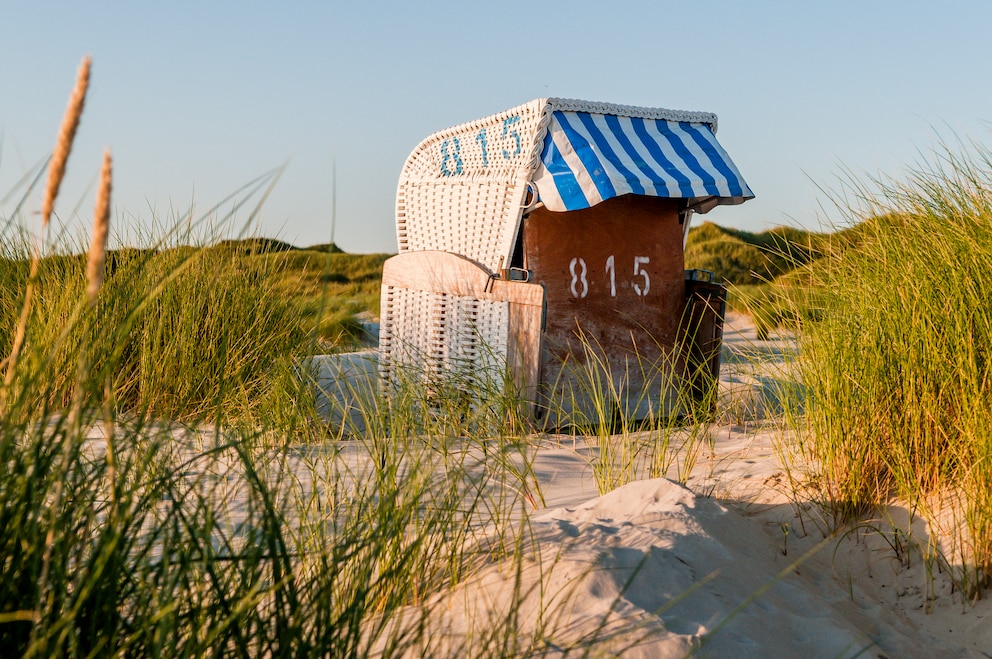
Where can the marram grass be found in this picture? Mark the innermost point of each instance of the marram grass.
(175, 332)
(127, 534)
(898, 366)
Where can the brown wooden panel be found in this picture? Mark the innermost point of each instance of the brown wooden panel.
(614, 279)
(706, 308)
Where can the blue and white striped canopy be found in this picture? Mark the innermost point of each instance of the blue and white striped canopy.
(588, 158)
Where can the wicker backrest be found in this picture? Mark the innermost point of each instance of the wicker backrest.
(463, 189)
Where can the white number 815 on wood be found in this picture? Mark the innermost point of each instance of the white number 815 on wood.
(579, 285)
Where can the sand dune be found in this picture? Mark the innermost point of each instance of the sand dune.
(724, 567)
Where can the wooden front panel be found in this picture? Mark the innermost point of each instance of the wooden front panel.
(614, 280)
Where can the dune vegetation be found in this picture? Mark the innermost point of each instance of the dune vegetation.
(741, 258)
(896, 364)
(892, 313)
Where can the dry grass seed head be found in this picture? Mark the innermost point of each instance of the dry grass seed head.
(101, 227)
(67, 132)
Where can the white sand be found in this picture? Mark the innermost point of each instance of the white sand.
(730, 554)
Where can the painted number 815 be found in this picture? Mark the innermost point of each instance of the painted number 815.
(579, 271)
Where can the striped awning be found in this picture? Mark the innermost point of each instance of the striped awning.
(588, 158)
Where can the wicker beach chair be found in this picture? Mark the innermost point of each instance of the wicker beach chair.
(474, 292)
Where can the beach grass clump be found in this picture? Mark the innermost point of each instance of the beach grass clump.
(129, 536)
(126, 533)
(649, 411)
(328, 290)
(175, 331)
(898, 366)
(788, 302)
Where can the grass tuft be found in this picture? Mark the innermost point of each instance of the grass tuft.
(897, 365)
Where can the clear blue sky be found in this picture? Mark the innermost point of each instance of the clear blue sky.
(197, 98)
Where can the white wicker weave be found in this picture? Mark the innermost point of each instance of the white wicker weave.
(443, 315)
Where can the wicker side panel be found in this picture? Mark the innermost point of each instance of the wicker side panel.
(436, 335)
(477, 335)
(405, 330)
(490, 324)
